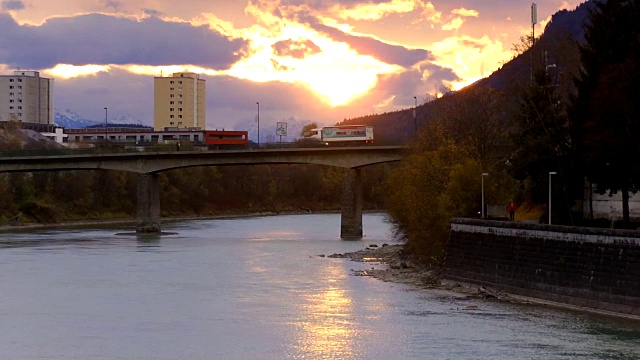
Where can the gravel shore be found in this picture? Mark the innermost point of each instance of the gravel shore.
(398, 267)
(401, 268)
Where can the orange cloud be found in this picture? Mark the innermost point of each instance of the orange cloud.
(430, 13)
(465, 12)
(455, 24)
(373, 11)
(468, 57)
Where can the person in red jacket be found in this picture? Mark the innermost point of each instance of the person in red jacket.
(511, 208)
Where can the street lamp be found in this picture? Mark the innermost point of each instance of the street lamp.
(483, 175)
(415, 116)
(258, 123)
(106, 128)
(550, 173)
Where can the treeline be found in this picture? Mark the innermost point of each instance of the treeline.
(579, 124)
(49, 197)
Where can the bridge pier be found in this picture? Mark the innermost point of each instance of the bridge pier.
(351, 221)
(148, 204)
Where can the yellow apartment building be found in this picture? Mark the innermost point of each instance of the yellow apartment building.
(179, 102)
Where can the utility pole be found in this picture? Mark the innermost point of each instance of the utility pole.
(415, 117)
(258, 123)
(106, 127)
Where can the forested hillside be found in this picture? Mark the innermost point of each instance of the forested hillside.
(562, 117)
(556, 50)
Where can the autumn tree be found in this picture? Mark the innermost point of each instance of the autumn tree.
(605, 113)
(441, 177)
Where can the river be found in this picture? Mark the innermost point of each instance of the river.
(255, 288)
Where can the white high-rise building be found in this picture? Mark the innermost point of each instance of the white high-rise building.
(26, 97)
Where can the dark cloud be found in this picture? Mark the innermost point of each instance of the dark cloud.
(12, 5)
(439, 76)
(277, 66)
(295, 49)
(89, 95)
(115, 5)
(152, 12)
(102, 39)
(473, 43)
(390, 54)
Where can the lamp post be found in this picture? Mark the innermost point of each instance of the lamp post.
(257, 103)
(483, 175)
(550, 173)
(106, 128)
(415, 116)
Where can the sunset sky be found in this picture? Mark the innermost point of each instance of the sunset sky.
(303, 60)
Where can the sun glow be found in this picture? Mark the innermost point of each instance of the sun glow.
(66, 71)
(470, 58)
(332, 70)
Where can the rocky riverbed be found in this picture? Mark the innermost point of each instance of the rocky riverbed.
(389, 263)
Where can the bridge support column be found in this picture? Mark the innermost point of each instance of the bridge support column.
(351, 222)
(148, 204)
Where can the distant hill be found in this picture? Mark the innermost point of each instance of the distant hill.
(556, 49)
(71, 120)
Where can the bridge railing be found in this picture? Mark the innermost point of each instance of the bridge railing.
(97, 150)
(118, 148)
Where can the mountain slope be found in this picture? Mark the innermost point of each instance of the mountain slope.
(556, 50)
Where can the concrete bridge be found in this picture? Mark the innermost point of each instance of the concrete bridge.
(150, 164)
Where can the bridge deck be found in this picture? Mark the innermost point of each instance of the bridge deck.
(151, 162)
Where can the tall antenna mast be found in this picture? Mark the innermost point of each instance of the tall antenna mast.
(534, 21)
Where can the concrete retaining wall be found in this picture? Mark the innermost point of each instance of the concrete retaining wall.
(595, 268)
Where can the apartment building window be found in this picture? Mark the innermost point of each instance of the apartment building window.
(11, 94)
(10, 87)
(179, 102)
(180, 88)
(179, 95)
(179, 109)
(171, 102)
(179, 116)
(171, 109)
(19, 94)
(172, 89)
(171, 116)
(19, 114)
(11, 100)
(180, 82)
(19, 80)
(19, 87)
(171, 123)
(10, 80)
(10, 107)
(19, 100)
(179, 123)
(172, 81)
(171, 95)
(19, 107)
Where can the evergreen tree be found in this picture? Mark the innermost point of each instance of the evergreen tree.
(542, 145)
(605, 112)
